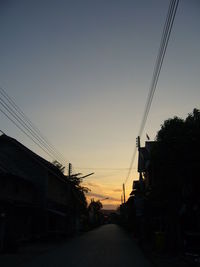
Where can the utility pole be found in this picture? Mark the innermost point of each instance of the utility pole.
(70, 175)
(124, 193)
(140, 155)
(70, 170)
(138, 143)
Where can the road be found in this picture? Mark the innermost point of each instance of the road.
(106, 246)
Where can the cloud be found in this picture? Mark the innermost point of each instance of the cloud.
(92, 184)
(101, 196)
(96, 195)
(117, 190)
(101, 191)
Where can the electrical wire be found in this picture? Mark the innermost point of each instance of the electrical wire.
(158, 65)
(19, 116)
(159, 61)
(28, 121)
(24, 132)
(103, 169)
(21, 122)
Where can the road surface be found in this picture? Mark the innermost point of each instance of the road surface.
(107, 246)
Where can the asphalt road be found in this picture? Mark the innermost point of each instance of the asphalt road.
(106, 246)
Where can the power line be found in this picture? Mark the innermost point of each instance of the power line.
(102, 168)
(21, 119)
(21, 122)
(131, 165)
(29, 123)
(24, 132)
(159, 61)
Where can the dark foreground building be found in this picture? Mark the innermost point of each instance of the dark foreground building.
(36, 199)
(169, 184)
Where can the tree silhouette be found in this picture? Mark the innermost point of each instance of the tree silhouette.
(95, 205)
(177, 149)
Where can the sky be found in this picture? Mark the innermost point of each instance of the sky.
(81, 71)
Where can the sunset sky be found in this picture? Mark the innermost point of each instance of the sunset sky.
(81, 71)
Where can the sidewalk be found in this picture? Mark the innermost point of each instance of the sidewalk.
(27, 252)
(161, 259)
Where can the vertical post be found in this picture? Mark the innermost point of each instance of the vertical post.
(140, 172)
(124, 193)
(138, 143)
(69, 170)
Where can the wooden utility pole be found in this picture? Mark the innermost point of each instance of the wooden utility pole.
(70, 170)
(124, 193)
(138, 142)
